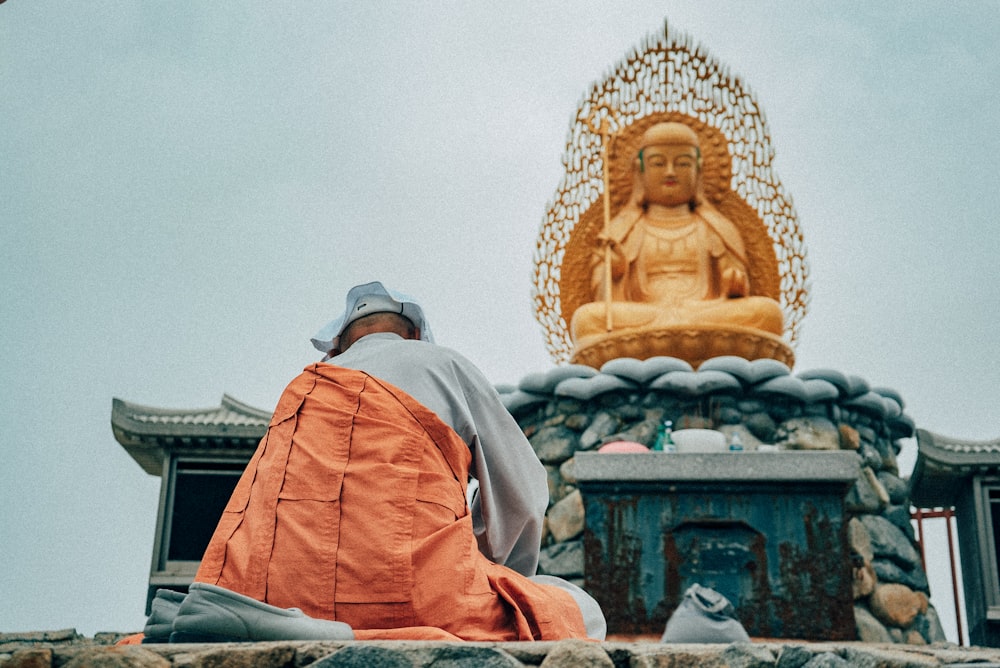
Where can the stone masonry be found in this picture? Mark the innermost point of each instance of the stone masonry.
(70, 650)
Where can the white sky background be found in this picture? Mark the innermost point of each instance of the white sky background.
(188, 189)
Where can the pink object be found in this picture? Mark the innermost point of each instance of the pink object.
(622, 446)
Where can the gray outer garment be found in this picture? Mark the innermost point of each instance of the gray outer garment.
(513, 494)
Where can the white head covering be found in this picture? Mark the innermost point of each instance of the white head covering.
(364, 300)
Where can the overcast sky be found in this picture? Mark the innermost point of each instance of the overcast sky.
(187, 190)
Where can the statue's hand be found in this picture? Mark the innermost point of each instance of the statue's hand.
(611, 248)
(735, 283)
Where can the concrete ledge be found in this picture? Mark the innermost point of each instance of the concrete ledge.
(18, 651)
(790, 466)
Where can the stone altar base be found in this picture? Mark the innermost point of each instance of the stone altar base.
(766, 530)
(569, 412)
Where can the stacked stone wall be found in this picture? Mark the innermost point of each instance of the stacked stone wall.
(67, 648)
(576, 408)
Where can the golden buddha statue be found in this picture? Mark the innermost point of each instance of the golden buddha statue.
(672, 258)
(669, 234)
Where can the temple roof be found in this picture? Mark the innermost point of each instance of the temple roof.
(944, 465)
(147, 433)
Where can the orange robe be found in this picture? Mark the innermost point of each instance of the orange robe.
(353, 508)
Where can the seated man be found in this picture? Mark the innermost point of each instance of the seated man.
(354, 506)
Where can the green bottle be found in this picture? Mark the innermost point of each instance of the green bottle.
(664, 441)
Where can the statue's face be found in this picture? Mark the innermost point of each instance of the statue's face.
(670, 174)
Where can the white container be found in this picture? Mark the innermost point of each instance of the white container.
(699, 440)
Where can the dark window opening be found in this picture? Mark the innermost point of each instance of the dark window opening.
(201, 491)
(994, 502)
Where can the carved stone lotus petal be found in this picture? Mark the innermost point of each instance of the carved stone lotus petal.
(902, 426)
(517, 400)
(857, 386)
(644, 371)
(838, 378)
(545, 382)
(695, 383)
(765, 369)
(585, 389)
(892, 407)
(870, 403)
(737, 367)
(788, 386)
(818, 389)
(889, 393)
